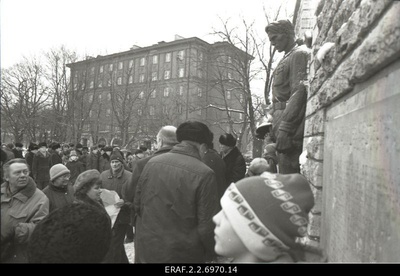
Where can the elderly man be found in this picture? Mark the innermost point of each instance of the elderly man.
(117, 179)
(175, 201)
(22, 207)
(289, 95)
(60, 191)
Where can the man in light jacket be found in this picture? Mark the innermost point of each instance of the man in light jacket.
(22, 207)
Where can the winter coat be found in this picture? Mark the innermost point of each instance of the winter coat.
(24, 209)
(41, 167)
(92, 161)
(137, 168)
(104, 162)
(55, 158)
(76, 168)
(29, 160)
(175, 201)
(235, 166)
(59, 196)
(10, 154)
(17, 153)
(217, 164)
(119, 183)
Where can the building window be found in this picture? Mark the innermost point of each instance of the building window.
(199, 111)
(228, 95)
(200, 56)
(141, 78)
(166, 91)
(141, 95)
(120, 65)
(229, 76)
(111, 67)
(181, 90)
(91, 98)
(154, 76)
(241, 116)
(109, 83)
(119, 80)
(91, 113)
(181, 54)
(179, 109)
(165, 109)
(109, 97)
(139, 112)
(108, 112)
(168, 57)
(151, 110)
(92, 70)
(83, 86)
(101, 69)
(153, 93)
(199, 92)
(75, 86)
(130, 63)
(181, 72)
(229, 59)
(167, 74)
(100, 83)
(142, 61)
(155, 59)
(241, 98)
(130, 79)
(99, 98)
(91, 85)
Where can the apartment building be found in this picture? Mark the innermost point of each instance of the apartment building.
(124, 98)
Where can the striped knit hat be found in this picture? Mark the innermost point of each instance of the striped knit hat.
(269, 212)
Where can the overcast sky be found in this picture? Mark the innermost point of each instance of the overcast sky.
(29, 27)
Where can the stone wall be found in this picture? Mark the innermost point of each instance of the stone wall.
(352, 132)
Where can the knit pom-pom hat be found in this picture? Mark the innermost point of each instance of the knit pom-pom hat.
(58, 170)
(269, 212)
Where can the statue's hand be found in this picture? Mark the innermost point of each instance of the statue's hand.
(283, 142)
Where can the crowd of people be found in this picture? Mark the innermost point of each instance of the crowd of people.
(185, 203)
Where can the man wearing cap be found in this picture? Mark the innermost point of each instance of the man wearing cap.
(175, 200)
(233, 158)
(22, 207)
(262, 218)
(40, 166)
(17, 150)
(289, 95)
(55, 157)
(59, 191)
(117, 179)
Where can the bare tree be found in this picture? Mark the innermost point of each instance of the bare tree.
(24, 95)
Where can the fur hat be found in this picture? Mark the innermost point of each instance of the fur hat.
(257, 166)
(107, 148)
(193, 131)
(227, 139)
(18, 145)
(55, 146)
(86, 177)
(58, 170)
(33, 146)
(116, 156)
(77, 233)
(269, 212)
(42, 144)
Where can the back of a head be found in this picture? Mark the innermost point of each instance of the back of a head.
(227, 139)
(194, 131)
(167, 134)
(76, 233)
(257, 166)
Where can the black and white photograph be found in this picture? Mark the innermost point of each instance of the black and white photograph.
(200, 137)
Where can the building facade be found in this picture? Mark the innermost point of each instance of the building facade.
(125, 98)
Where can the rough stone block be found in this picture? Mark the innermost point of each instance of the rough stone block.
(315, 147)
(380, 48)
(317, 192)
(313, 170)
(314, 124)
(314, 225)
(325, 18)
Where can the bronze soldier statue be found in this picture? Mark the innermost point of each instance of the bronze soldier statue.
(289, 95)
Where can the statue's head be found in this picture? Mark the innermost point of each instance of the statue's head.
(281, 34)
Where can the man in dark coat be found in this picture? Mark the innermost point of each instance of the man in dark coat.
(55, 157)
(92, 159)
(32, 150)
(40, 166)
(233, 158)
(17, 150)
(166, 139)
(175, 201)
